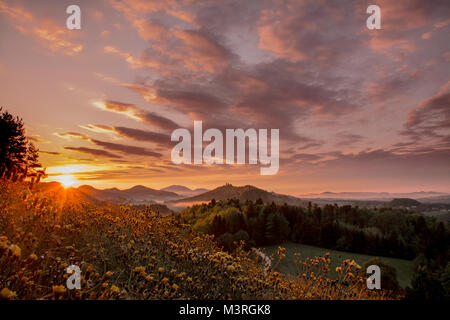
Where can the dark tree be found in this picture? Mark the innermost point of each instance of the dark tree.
(388, 274)
(277, 228)
(18, 156)
(218, 226)
(425, 286)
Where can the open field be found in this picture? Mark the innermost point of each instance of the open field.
(287, 265)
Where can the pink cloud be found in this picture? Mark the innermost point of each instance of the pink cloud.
(132, 60)
(47, 32)
(431, 119)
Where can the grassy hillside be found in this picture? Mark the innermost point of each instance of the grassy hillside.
(288, 266)
(128, 252)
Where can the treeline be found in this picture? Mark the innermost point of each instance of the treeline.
(380, 232)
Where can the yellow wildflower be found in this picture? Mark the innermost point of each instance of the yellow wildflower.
(115, 289)
(15, 250)
(7, 294)
(33, 257)
(58, 289)
(230, 268)
(139, 269)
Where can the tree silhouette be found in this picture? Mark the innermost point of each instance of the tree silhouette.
(18, 156)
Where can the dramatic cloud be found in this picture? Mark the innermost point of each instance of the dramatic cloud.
(305, 80)
(355, 107)
(94, 152)
(142, 135)
(69, 135)
(131, 133)
(376, 166)
(194, 50)
(305, 157)
(431, 118)
(393, 86)
(46, 31)
(202, 51)
(133, 61)
(126, 149)
(97, 128)
(403, 20)
(50, 152)
(291, 31)
(112, 146)
(347, 138)
(136, 113)
(435, 28)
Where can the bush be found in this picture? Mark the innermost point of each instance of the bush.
(388, 274)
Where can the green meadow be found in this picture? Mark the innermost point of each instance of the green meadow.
(286, 266)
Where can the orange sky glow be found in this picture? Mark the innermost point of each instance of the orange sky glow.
(358, 109)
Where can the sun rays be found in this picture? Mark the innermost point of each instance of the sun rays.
(67, 180)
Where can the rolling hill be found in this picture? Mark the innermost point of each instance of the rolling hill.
(184, 191)
(404, 202)
(136, 194)
(242, 193)
(141, 193)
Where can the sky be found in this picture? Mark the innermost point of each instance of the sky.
(357, 109)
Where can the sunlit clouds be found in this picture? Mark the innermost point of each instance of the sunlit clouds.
(46, 31)
(357, 109)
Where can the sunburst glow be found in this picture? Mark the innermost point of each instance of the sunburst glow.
(66, 180)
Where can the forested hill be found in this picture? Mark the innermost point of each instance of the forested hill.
(381, 232)
(244, 193)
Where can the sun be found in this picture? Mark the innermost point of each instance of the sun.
(66, 180)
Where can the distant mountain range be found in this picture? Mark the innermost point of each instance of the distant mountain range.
(134, 194)
(181, 196)
(248, 192)
(423, 196)
(437, 199)
(184, 191)
(137, 194)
